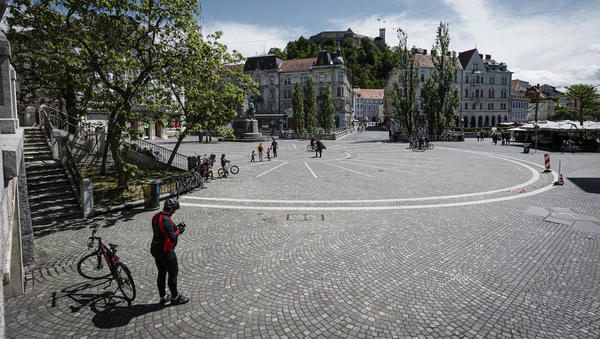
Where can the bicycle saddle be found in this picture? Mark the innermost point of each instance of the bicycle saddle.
(113, 246)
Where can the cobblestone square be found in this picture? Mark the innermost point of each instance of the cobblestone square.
(371, 240)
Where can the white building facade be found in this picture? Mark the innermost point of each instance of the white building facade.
(368, 104)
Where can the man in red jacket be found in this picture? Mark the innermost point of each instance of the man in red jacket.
(164, 240)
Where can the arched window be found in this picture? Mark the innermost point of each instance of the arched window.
(479, 121)
(477, 93)
(491, 93)
(474, 107)
(487, 121)
(465, 122)
(493, 120)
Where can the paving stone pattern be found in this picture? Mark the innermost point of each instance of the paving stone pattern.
(486, 270)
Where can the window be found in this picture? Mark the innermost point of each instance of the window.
(474, 107)
(475, 67)
(503, 80)
(491, 93)
(503, 94)
(272, 80)
(340, 91)
(287, 79)
(491, 80)
(303, 78)
(466, 106)
(491, 106)
(257, 80)
(321, 77)
(466, 93)
(477, 79)
(271, 94)
(480, 105)
(477, 93)
(340, 77)
(467, 79)
(422, 77)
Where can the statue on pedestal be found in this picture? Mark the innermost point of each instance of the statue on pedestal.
(251, 111)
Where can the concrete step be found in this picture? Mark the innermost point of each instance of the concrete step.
(40, 187)
(37, 152)
(55, 216)
(44, 206)
(43, 179)
(34, 172)
(58, 195)
(38, 157)
(44, 164)
(53, 226)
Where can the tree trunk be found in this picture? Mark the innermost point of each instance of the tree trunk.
(180, 138)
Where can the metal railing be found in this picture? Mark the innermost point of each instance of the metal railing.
(63, 121)
(180, 161)
(173, 185)
(72, 169)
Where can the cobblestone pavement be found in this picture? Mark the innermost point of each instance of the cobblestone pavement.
(473, 241)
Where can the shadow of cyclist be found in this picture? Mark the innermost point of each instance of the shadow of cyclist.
(111, 310)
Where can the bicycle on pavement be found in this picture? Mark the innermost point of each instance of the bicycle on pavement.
(103, 263)
(233, 169)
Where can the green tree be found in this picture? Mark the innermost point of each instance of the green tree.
(326, 110)
(297, 102)
(125, 43)
(587, 101)
(47, 63)
(447, 95)
(208, 86)
(403, 92)
(278, 52)
(310, 105)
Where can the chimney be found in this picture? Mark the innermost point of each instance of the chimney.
(382, 34)
(480, 56)
(488, 57)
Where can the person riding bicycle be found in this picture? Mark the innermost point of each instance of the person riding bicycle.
(224, 165)
(312, 141)
(162, 248)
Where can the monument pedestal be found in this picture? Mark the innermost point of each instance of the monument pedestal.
(247, 130)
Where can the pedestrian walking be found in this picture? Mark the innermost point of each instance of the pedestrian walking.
(477, 135)
(274, 146)
(252, 156)
(164, 240)
(269, 153)
(320, 148)
(261, 149)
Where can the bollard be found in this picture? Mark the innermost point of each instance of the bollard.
(547, 163)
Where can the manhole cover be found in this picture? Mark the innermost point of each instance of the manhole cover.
(305, 217)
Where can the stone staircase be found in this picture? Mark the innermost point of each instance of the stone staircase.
(51, 198)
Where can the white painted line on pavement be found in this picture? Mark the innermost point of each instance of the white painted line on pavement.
(294, 146)
(347, 169)
(535, 177)
(311, 171)
(272, 169)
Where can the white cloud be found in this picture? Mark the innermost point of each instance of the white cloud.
(558, 48)
(251, 40)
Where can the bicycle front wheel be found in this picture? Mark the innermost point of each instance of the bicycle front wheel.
(430, 146)
(221, 172)
(125, 281)
(92, 266)
(234, 169)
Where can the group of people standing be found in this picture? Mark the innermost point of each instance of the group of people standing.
(261, 150)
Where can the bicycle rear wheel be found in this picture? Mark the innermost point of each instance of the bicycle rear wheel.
(234, 169)
(92, 266)
(125, 281)
(221, 172)
(430, 146)
(310, 148)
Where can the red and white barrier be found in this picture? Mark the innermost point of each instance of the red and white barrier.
(547, 163)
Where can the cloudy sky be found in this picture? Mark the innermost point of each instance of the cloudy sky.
(554, 42)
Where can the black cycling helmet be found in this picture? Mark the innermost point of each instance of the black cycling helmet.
(171, 204)
(223, 155)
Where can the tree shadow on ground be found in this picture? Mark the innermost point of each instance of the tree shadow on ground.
(105, 220)
(111, 310)
(589, 185)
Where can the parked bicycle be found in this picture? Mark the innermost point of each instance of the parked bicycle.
(190, 182)
(233, 169)
(311, 148)
(104, 263)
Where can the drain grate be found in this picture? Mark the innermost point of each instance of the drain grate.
(305, 217)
